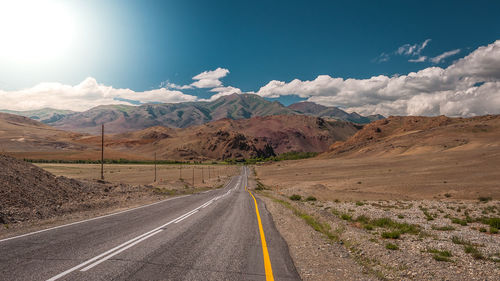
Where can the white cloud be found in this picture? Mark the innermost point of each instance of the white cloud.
(381, 58)
(207, 83)
(438, 59)
(210, 79)
(212, 74)
(419, 59)
(83, 96)
(224, 91)
(412, 50)
(451, 91)
(175, 86)
(206, 79)
(406, 50)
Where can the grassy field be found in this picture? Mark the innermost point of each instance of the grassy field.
(167, 175)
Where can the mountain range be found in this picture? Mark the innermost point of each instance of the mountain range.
(222, 139)
(127, 118)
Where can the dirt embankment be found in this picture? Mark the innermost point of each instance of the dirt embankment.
(29, 194)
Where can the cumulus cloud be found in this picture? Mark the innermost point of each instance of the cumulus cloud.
(224, 91)
(210, 79)
(83, 96)
(470, 86)
(441, 57)
(206, 79)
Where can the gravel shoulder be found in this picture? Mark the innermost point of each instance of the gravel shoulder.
(391, 239)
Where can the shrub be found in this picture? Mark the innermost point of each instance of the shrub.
(311, 198)
(459, 221)
(401, 217)
(370, 227)
(441, 258)
(346, 217)
(482, 229)
(440, 255)
(460, 241)
(493, 222)
(295, 197)
(493, 230)
(469, 249)
(447, 195)
(363, 219)
(444, 253)
(484, 199)
(359, 203)
(391, 234)
(391, 246)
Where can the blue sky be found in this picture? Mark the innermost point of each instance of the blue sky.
(140, 45)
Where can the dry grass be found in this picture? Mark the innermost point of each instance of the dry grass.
(167, 175)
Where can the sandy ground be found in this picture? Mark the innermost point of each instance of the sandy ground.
(457, 174)
(167, 175)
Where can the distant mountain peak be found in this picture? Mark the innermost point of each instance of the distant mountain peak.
(125, 118)
(314, 109)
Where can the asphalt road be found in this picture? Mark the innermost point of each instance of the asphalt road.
(208, 236)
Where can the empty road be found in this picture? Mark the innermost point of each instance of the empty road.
(216, 235)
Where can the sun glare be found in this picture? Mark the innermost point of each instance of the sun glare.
(34, 30)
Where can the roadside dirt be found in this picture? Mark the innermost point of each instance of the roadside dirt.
(391, 239)
(314, 256)
(32, 198)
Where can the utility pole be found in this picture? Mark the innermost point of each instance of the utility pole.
(208, 172)
(193, 176)
(202, 176)
(102, 151)
(155, 166)
(180, 172)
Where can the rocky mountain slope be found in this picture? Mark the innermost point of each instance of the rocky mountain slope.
(313, 109)
(44, 115)
(222, 139)
(125, 118)
(234, 139)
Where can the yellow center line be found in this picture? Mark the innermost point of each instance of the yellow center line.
(267, 260)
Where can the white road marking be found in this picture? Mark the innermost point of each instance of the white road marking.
(186, 215)
(179, 220)
(121, 250)
(130, 243)
(87, 220)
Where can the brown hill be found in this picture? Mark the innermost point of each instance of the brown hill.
(226, 138)
(416, 135)
(23, 137)
(29, 193)
(400, 158)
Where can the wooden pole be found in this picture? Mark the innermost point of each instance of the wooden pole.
(155, 167)
(193, 176)
(180, 172)
(102, 151)
(202, 176)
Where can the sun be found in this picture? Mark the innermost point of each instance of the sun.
(34, 30)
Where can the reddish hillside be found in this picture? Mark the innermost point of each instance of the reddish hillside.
(415, 134)
(224, 139)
